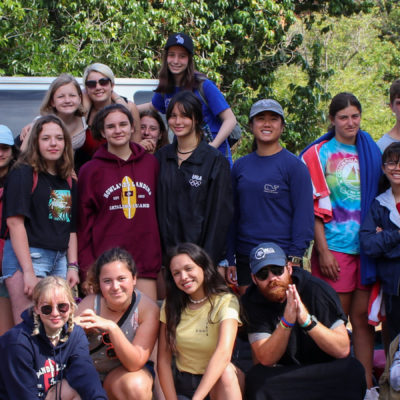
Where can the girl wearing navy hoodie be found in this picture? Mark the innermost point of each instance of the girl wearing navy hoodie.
(117, 199)
(47, 355)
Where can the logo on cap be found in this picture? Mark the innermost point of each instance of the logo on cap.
(179, 39)
(261, 253)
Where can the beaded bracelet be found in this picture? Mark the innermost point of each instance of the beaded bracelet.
(306, 322)
(286, 323)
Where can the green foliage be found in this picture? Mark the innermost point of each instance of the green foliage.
(240, 44)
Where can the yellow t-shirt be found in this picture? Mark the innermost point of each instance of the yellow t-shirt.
(197, 331)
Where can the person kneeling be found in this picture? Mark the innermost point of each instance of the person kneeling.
(297, 334)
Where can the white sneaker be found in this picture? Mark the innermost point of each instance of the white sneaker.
(372, 394)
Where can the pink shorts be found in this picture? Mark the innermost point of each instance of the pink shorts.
(349, 275)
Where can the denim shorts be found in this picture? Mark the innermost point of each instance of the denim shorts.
(45, 262)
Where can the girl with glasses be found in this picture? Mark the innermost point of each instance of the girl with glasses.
(39, 214)
(199, 323)
(46, 356)
(380, 235)
(99, 83)
(122, 326)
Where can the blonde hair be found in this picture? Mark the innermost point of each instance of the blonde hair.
(99, 67)
(43, 288)
(63, 79)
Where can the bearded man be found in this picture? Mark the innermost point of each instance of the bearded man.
(297, 333)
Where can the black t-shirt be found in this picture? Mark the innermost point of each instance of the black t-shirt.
(321, 301)
(50, 211)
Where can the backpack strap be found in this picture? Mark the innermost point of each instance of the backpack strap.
(36, 178)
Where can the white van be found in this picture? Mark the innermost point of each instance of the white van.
(20, 97)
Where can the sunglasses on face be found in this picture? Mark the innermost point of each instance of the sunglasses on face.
(263, 274)
(61, 307)
(101, 82)
(110, 351)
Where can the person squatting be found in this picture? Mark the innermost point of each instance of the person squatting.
(97, 202)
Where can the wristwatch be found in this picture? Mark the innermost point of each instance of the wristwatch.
(312, 324)
(295, 260)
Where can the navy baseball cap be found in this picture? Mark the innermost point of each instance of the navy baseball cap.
(180, 39)
(266, 254)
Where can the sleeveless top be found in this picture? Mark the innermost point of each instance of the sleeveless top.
(102, 363)
(79, 138)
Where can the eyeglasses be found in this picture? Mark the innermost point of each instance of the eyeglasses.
(392, 164)
(61, 307)
(110, 351)
(263, 274)
(101, 82)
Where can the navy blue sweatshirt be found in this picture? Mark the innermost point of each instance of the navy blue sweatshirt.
(30, 365)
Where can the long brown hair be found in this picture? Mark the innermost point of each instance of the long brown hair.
(32, 156)
(176, 300)
(167, 81)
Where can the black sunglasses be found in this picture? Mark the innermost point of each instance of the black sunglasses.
(61, 307)
(101, 81)
(262, 274)
(110, 351)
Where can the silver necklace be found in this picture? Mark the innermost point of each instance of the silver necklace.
(55, 336)
(197, 301)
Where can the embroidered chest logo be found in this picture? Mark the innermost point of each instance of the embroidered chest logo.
(202, 330)
(268, 188)
(195, 180)
(179, 39)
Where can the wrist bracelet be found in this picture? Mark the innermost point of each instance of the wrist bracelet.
(284, 326)
(306, 322)
(286, 323)
(73, 265)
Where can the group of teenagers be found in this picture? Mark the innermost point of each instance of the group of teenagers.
(93, 193)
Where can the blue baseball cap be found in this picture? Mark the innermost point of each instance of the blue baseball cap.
(6, 136)
(266, 254)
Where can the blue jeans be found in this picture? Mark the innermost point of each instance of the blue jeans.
(45, 262)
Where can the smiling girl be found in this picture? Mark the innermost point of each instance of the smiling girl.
(380, 235)
(194, 193)
(39, 214)
(345, 166)
(46, 356)
(117, 199)
(199, 322)
(153, 131)
(122, 326)
(177, 73)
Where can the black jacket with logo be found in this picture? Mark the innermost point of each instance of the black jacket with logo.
(194, 200)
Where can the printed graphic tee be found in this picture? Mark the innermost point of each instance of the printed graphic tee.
(50, 211)
(342, 172)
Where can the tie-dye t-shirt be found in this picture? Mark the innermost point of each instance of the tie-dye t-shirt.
(342, 172)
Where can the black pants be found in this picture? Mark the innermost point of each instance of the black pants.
(186, 384)
(342, 379)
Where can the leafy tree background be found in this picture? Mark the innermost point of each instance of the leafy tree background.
(299, 52)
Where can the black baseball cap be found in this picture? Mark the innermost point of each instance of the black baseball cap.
(180, 39)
